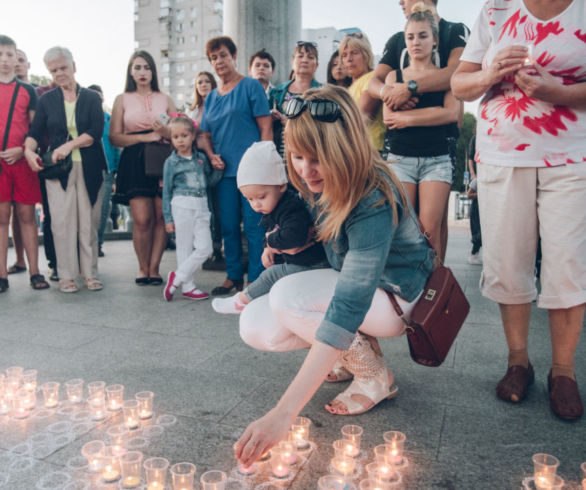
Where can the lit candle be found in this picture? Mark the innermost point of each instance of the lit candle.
(118, 450)
(289, 453)
(132, 423)
(29, 386)
(343, 466)
(155, 486)
(51, 402)
(351, 450)
(395, 456)
(110, 474)
(131, 482)
(279, 465)
(280, 471)
(246, 470)
(145, 414)
(95, 465)
(145, 403)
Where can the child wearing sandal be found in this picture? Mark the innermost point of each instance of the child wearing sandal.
(186, 176)
(262, 180)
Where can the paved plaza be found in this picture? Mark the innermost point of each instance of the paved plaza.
(459, 435)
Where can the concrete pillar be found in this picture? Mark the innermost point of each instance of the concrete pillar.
(271, 24)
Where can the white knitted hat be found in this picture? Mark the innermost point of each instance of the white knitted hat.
(261, 164)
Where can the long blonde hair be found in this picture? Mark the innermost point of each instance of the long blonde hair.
(350, 166)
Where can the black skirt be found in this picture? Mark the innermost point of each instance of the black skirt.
(132, 181)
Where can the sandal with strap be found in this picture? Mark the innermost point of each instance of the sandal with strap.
(68, 286)
(16, 269)
(375, 390)
(38, 282)
(3, 284)
(564, 397)
(93, 284)
(338, 374)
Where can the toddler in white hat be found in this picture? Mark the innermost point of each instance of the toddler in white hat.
(289, 242)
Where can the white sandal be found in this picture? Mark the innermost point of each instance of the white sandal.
(375, 389)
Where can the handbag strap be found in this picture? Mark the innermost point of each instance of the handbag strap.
(10, 112)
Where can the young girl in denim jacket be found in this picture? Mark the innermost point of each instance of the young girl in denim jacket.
(373, 245)
(186, 176)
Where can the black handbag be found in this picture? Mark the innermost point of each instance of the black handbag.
(56, 170)
(155, 154)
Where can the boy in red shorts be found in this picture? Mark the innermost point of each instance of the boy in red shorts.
(18, 183)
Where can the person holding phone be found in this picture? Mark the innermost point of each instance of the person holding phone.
(140, 116)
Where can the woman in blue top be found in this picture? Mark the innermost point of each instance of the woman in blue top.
(373, 245)
(236, 114)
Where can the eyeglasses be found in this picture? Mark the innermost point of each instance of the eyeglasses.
(324, 110)
(305, 44)
(357, 35)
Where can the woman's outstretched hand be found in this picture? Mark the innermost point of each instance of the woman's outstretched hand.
(261, 435)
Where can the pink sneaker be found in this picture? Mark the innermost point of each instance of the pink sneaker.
(170, 287)
(196, 294)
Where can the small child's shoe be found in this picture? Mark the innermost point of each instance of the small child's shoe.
(170, 287)
(229, 306)
(196, 294)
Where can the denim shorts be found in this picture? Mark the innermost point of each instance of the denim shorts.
(421, 169)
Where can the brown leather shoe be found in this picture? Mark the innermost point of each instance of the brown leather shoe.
(514, 385)
(564, 397)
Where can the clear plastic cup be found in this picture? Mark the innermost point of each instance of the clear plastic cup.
(29, 380)
(74, 390)
(145, 404)
(183, 476)
(396, 442)
(131, 418)
(545, 467)
(131, 467)
(51, 394)
(213, 480)
(115, 397)
(353, 433)
(155, 470)
(93, 452)
(332, 482)
(299, 432)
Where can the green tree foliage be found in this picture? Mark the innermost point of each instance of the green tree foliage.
(466, 132)
(40, 79)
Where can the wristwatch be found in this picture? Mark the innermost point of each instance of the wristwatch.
(412, 86)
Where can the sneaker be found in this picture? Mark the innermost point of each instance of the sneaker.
(170, 287)
(196, 294)
(228, 306)
(475, 259)
(100, 252)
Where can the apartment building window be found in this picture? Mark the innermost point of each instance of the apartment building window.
(144, 42)
(166, 81)
(180, 68)
(179, 27)
(193, 38)
(193, 12)
(181, 54)
(192, 24)
(179, 97)
(179, 14)
(180, 40)
(181, 82)
(165, 67)
(165, 3)
(193, 67)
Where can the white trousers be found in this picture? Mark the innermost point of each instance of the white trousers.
(74, 223)
(288, 317)
(193, 238)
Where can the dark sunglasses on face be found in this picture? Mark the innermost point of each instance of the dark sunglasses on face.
(305, 44)
(324, 110)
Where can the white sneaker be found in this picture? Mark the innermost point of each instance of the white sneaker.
(475, 259)
(228, 306)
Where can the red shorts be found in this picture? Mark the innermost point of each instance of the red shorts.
(19, 183)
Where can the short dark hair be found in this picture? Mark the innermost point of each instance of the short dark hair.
(96, 88)
(215, 43)
(130, 83)
(263, 55)
(7, 41)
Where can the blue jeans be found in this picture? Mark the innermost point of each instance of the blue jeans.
(233, 205)
(108, 182)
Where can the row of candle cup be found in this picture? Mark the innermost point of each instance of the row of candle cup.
(545, 477)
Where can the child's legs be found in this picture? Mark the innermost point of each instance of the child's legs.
(201, 246)
(270, 276)
(183, 219)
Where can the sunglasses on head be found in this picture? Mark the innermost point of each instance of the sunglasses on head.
(324, 110)
(357, 35)
(305, 44)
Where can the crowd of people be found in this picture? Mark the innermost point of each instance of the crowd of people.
(343, 224)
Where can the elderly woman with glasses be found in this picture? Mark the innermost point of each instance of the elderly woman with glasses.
(73, 119)
(236, 115)
(358, 61)
(304, 64)
(374, 247)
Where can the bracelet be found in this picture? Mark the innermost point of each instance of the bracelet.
(380, 92)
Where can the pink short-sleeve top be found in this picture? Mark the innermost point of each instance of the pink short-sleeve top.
(140, 111)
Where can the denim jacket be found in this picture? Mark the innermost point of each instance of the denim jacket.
(371, 252)
(187, 177)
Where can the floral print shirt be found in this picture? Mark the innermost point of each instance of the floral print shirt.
(514, 129)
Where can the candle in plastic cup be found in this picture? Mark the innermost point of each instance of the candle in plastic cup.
(183, 476)
(131, 466)
(332, 482)
(118, 438)
(110, 466)
(131, 418)
(29, 380)
(74, 390)
(289, 452)
(29, 398)
(14, 372)
(97, 405)
(145, 404)
(373, 484)
(345, 447)
(343, 466)
(96, 388)
(51, 394)
(114, 397)
(280, 466)
(155, 470)
(353, 433)
(93, 452)
(545, 468)
(396, 442)
(4, 403)
(213, 480)
(382, 472)
(299, 432)
(19, 404)
(247, 470)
